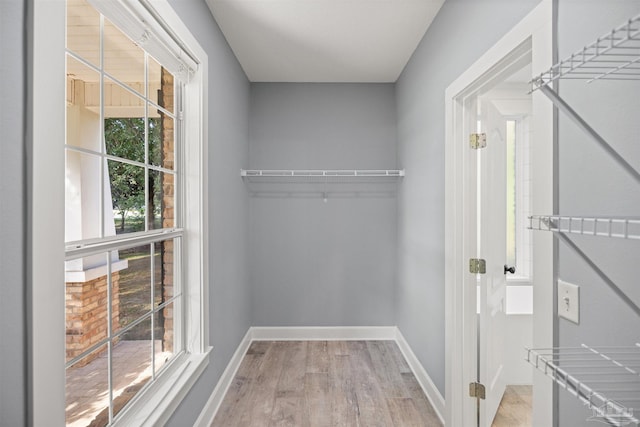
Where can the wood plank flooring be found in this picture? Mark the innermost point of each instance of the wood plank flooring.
(325, 383)
(515, 407)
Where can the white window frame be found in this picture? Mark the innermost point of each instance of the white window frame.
(46, 314)
(524, 264)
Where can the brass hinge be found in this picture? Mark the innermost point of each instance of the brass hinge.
(477, 266)
(477, 390)
(478, 140)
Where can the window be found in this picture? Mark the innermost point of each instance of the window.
(518, 198)
(117, 299)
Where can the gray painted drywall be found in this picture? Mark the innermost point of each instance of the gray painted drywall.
(451, 44)
(228, 112)
(592, 184)
(12, 215)
(315, 263)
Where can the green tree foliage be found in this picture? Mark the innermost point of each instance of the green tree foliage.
(124, 138)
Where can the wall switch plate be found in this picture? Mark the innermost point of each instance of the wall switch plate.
(569, 301)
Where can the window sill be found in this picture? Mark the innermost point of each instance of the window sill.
(156, 404)
(519, 281)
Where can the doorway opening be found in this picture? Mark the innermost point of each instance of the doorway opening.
(503, 201)
(495, 271)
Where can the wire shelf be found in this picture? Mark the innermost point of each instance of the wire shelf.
(322, 176)
(606, 379)
(624, 228)
(614, 56)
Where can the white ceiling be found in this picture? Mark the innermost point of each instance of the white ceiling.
(324, 40)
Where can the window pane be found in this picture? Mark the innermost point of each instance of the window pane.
(164, 317)
(83, 31)
(83, 106)
(161, 141)
(160, 85)
(164, 272)
(124, 137)
(86, 296)
(131, 365)
(511, 192)
(155, 138)
(127, 194)
(123, 60)
(162, 206)
(163, 338)
(132, 295)
(87, 390)
(82, 196)
(121, 103)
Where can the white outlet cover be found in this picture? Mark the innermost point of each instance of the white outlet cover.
(569, 301)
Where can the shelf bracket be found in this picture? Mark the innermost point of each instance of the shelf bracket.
(582, 124)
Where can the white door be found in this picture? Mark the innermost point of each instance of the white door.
(492, 248)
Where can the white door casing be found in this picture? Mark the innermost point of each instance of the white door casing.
(533, 34)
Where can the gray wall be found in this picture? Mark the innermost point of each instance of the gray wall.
(450, 45)
(228, 203)
(315, 263)
(592, 184)
(12, 215)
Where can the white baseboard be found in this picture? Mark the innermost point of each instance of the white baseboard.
(386, 333)
(211, 407)
(429, 388)
(320, 333)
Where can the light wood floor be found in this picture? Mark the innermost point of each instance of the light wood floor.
(515, 407)
(325, 383)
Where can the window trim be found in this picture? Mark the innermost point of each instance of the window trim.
(45, 248)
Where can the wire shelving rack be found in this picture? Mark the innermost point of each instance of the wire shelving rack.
(614, 56)
(624, 228)
(322, 176)
(605, 379)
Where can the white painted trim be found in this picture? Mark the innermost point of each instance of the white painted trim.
(155, 406)
(430, 390)
(210, 409)
(93, 273)
(313, 333)
(45, 241)
(460, 344)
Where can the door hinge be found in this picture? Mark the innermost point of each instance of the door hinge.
(478, 140)
(477, 266)
(477, 390)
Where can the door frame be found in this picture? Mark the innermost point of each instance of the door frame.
(533, 33)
